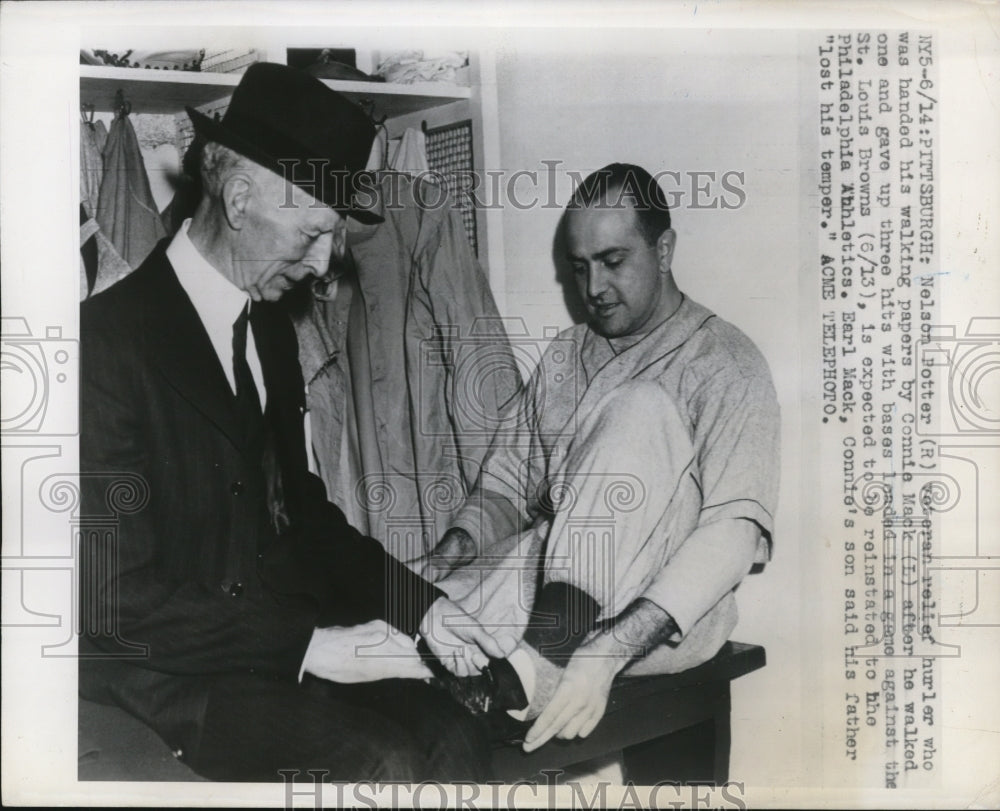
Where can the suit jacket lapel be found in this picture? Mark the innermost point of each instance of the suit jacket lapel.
(184, 353)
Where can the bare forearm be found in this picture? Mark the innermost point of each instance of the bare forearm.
(635, 632)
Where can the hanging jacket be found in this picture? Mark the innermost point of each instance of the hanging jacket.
(126, 211)
(407, 371)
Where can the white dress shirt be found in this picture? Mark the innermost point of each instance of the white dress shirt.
(218, 302)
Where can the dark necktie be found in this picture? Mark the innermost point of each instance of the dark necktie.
(247, 398)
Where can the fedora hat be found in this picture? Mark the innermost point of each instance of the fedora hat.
(296, 126)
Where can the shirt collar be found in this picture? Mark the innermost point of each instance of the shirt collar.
(679, 327)
(216, 299)
(660, 341)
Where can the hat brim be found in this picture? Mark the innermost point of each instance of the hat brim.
(210, 130)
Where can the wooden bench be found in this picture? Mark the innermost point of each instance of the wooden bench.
(668, 728)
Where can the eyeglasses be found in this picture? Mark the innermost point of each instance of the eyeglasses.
(325, 287)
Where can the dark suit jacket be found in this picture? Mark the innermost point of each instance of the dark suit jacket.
(183, 575)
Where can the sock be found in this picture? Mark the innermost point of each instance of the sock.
(511, 690)
(544, 677)
(521, 663)
(562, 618)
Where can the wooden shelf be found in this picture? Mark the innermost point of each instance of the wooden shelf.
(161, 91)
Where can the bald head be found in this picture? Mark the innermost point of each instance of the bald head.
(620, 185)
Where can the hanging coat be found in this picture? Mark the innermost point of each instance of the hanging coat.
(407, 369)
(126, 211)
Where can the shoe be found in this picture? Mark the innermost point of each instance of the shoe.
(477, 694)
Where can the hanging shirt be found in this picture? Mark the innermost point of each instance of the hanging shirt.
(411, 155)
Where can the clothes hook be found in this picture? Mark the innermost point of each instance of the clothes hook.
(122, 107)
(368, 105)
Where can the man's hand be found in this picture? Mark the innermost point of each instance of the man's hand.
(367, 652)
(581, 696)
(456, 639)
(501, 601)
(455, 549)
(579, 701)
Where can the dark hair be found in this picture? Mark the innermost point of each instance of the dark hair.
(618, 182)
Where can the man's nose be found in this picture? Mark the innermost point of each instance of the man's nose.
(597, 281)
(318, 256)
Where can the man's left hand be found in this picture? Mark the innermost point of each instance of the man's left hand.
(581, 696)
(580, 700)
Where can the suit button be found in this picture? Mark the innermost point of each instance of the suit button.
(236, 590)
(236, 488)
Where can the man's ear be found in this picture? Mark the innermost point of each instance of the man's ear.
(665, 249)
(237, 193)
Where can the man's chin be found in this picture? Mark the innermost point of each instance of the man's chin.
(280, 286)
(295, 296)
(606, 327)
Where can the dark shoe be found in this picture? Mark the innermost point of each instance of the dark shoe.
(497, 687)
(476, 693)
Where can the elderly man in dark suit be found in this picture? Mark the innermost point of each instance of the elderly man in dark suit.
(231, 607)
